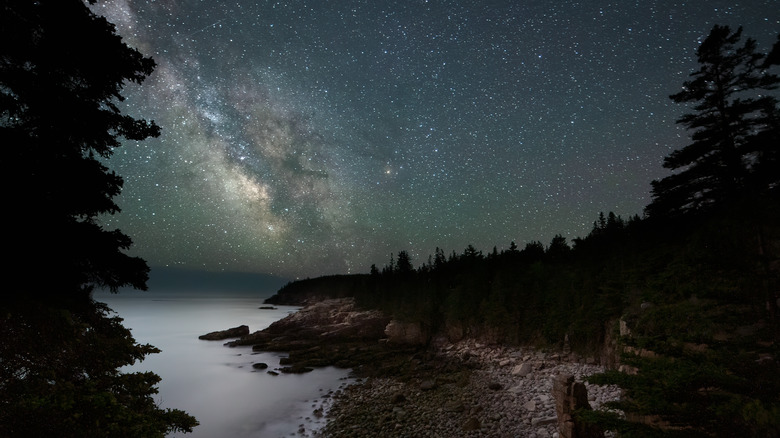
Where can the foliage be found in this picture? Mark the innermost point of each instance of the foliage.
(537, 293)
(62, 69)
(718, 388)
(59, 118)
(705, 355)
(735, 129)
(60, 376)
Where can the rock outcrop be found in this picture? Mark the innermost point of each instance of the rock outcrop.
(332, 332)
(570, 396)
(410, 333)
(336, 320)
(235, 332)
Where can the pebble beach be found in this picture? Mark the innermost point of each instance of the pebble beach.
(507, 392)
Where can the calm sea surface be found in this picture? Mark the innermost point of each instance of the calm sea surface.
(217, 384)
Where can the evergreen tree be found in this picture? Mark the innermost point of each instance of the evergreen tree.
(389, 269)
(439, 259)
(701, 354)
(62, 69)
(766, 168)
(471, 253)
(404, 263)
(558, 249)
(601, 224)
(533, 252)
(732, 111)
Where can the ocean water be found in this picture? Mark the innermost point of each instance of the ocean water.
(215, 383)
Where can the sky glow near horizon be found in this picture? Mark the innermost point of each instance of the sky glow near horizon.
(305, 138)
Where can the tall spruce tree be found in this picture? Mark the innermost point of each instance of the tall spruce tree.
(767, 141)
(703, 356)
(404, 263)
(733, 120)
(62, 69)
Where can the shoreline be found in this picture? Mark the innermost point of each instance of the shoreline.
(440, 389)
(507, 393)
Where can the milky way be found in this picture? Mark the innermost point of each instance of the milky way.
(305, 138)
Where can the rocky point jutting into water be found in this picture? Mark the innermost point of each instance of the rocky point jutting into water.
(411, 384)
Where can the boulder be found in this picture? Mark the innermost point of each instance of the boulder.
(472, 424)
(235, 332)
(522, 370)
(495, 386)
(454, 406)
(427, 385)
(397, 398)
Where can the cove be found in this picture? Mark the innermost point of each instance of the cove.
(215, 383)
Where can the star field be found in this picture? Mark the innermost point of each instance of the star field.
(304, 138)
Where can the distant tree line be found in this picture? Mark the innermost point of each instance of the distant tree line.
(514, 295)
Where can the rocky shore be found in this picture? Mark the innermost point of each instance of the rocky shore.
(507, 392)
(409, 388)
(332, 332)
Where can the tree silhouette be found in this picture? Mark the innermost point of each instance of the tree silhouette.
(62, 69)
(558, 249)
(732, 113)
(532, 252)
(59, 120)
(766, 167)
(439, 259)
(404, 263)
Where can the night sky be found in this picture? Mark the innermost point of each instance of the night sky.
(304, 138)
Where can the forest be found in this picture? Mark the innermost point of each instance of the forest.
(693, 282)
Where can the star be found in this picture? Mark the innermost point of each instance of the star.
(305, 139)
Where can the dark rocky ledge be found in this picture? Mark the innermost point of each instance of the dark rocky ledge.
(334, 332)
(235, 332)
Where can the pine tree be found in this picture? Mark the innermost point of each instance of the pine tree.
(732, 113)
(558, 249)
(766, 168)
(404, 263)
(62, 69)
(439, 259)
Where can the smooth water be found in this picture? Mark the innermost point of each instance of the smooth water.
(215, 383)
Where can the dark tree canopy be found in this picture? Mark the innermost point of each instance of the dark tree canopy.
(61, 72)
(404, 263)
(733, 125)
(62, 69)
